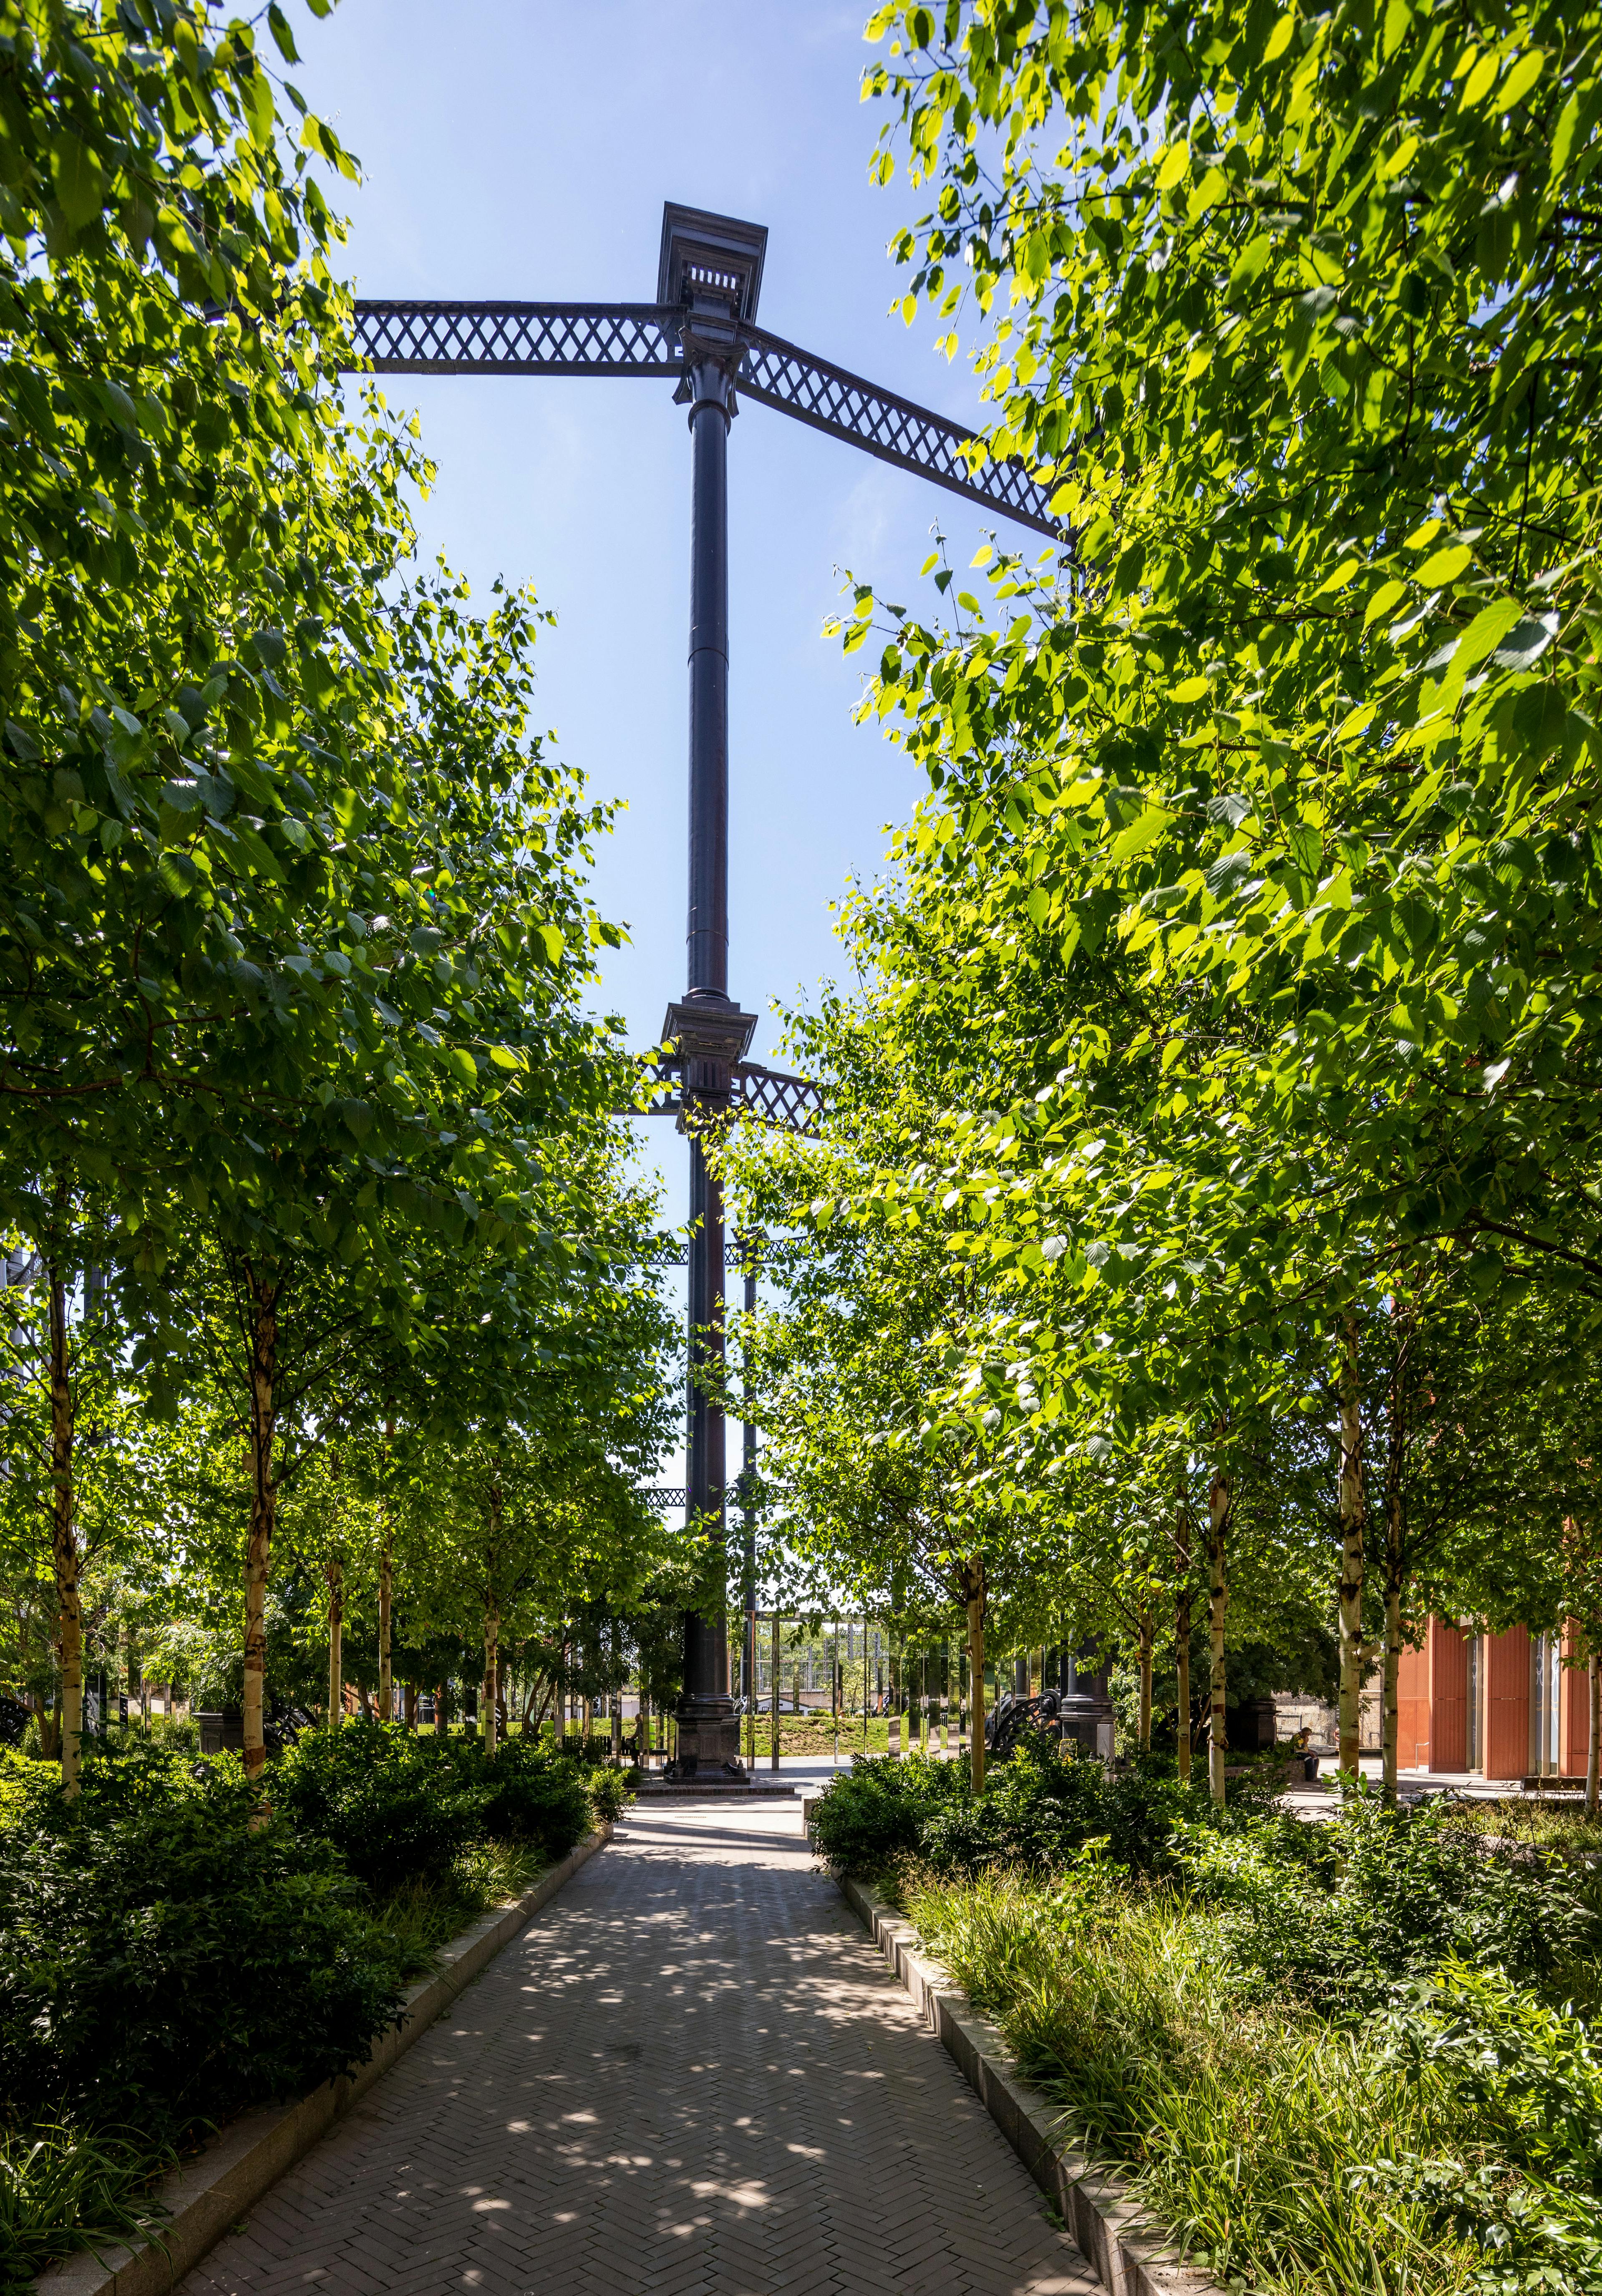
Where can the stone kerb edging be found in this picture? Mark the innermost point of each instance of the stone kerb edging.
(212, 2193)
(1131, 2255)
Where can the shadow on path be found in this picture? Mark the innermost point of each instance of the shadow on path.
(692, 2072)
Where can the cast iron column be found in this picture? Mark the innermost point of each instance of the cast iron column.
(707, 937)
(708, 1732)
(748, 1477)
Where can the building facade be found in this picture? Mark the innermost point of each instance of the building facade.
(1499, 1706)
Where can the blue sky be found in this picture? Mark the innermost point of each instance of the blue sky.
(523, 149)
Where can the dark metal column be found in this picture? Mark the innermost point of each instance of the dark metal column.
(711, 1035)
(707, 932)
(711, 270)
(748, 1500)
(706, 1700)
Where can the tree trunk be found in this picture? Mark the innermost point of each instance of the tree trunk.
(1393, 1695)
(1182, 1651)
(487, 1702)
(386, 1680)
(1395, 1583)
(1594, 1673)
(64, 1540)
(1404, 1317)
(1219, 1505)
(409, 1704)
(264, 1403)
(335, 1573)
(976, 1669)
(1148, 1636)
(386, 1569)
(1351, 1693)
(439, 1723)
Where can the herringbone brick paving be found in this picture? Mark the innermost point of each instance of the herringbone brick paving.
(692, 2073)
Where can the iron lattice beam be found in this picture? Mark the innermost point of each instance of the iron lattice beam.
(795, 1103)
(643, 338)
(831, 398)
(677, 1494)
(520, 339)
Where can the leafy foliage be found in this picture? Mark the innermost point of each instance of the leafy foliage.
(170, 1956)
(388, 1804)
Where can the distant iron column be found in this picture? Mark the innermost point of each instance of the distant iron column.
(748, 1477)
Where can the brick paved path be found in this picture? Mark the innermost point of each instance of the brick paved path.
(693, 2072)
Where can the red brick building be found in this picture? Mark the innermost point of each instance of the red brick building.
(1503, 1705)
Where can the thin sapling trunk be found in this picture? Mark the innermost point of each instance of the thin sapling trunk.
(488, 1702)
(333, 1571)
(263, 1298)
(386, 1575)
(386, 1680)
(1182, 1651)
(1219, 1505)
(63, 1539)
(976, 1670)
(1351, 1509)
(1392, 1692)
(1148, 1636)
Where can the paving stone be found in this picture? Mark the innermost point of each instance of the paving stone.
(692, 2076)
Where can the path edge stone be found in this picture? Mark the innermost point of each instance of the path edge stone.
(1130, 2253)
(243, 2161)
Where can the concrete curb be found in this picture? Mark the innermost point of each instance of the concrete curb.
(1131, 2255)
(210, 2195)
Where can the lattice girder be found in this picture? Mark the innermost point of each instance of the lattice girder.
(643, 338)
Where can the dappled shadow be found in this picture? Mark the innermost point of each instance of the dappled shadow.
(692, 2072)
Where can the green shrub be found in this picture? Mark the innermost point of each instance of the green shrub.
(1037, 1810)
(530, 1795)
(24, 1785)
(1340, 1913)
(880, 1810)
(609, 1790)
(170, 1956)
(396, 1807)
(1527, 2080)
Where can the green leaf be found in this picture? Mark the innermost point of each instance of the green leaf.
(1525, 643)
(1444, 566)
(267, 646)
(1520, 79)
(1488, 629)
(1538, 718)
(1251, 261)
(279, 26)
(1173, 166)
(79, 180)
